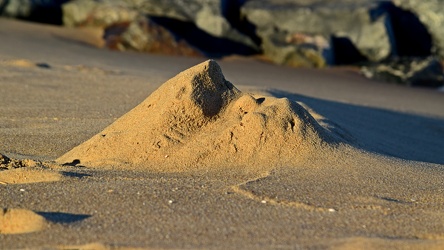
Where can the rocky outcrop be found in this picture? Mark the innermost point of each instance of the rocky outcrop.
(363, 23)
(431, 15)
(93, 13)
(144, 35)
(298, 33)
(125, 28)
(408, 71)
(205, 15)
(45, 11)
(297, 50)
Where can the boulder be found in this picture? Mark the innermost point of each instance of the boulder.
(364, 23)
(145, 35)
(46, 11)
(427, 72)
(93, 13)
(297, 50)
(205, 15)
(431, 15)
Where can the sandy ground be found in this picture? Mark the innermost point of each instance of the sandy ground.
(381, 187)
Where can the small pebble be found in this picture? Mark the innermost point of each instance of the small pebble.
(170, 202)
(264, 201)
(22, 190)
(331, 210)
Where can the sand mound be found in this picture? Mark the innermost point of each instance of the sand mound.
(199, 120)
(18, 221)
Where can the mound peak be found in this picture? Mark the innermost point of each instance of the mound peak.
(197, 120)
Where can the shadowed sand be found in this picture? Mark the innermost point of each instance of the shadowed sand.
(288, 158)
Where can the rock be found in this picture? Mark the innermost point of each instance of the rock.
(205, 15)
(16, 8)
(4, 160)
(426, 72)
(297, 50)
(45, 11)
(410, 38)
(93, 13)
(363, 23)
(431, 15)
(145, 35)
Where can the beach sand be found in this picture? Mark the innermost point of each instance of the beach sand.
(112, 150)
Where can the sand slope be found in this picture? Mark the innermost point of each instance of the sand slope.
(199, 120)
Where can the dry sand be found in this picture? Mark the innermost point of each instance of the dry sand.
(199, 121)
(275, 158)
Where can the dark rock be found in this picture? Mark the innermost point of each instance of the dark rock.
(431, 14)
(44, 11)
(4, 159)
(144, 35)
(205, 15)
(344, 52)
(211, 46)
(297, 50)
(94, 13)
(410, 36)
(427, 72)
(364, 23)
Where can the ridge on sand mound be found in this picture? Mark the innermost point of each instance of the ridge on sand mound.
(199, 120)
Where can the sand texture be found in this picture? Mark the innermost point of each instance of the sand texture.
(106, 150)
(19, 221)
(198, 120)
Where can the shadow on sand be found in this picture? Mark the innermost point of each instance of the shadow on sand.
(401, 135)
(64, 218)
